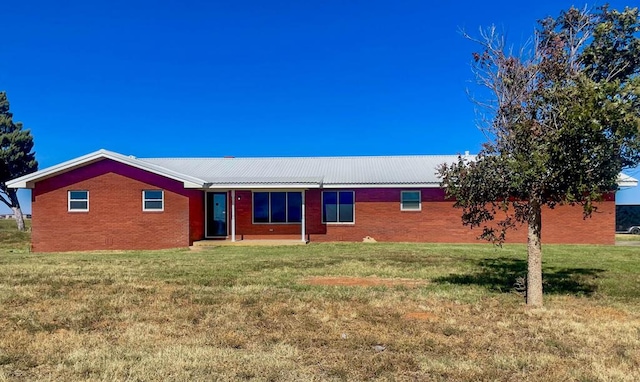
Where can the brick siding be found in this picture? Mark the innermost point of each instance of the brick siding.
(115, 219)
(378, 215)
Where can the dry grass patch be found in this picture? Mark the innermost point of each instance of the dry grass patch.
(438, 312)
(426, 316)
(362, 281)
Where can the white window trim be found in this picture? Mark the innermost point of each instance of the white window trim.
(419, 201)
(286, 207)
(338, 209)
(69, 209)
(152, 200)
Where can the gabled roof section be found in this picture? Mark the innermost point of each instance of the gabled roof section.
(29, 180)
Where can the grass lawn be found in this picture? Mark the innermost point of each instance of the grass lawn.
(627, 237)
(434, 312)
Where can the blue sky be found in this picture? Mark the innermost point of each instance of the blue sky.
(251, 78)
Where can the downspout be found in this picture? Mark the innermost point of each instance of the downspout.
(303, 222)
(233, 215)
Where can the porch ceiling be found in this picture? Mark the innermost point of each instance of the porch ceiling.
(265, 182)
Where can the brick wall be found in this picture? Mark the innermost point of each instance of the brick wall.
(115, 219)
(378, 215)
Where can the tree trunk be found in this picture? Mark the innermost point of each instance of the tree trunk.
(15, 206)
(17, 213)
(534, 256)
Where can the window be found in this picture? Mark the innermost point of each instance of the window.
(78, 201)
(338, 207)
(261, 207)
(294, 207)
(410, 201)
(277, 207)
(153, 200)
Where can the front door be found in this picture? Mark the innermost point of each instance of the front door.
(216, 214)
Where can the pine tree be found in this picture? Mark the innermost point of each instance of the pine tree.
(16, 157)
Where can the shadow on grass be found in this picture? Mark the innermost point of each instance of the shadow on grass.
(509, 275)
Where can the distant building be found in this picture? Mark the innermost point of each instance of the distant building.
(12, 216)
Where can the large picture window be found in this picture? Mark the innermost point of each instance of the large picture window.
(410, 201)
(277, 207)
(338, 207)
(78, 201)
(152, 200)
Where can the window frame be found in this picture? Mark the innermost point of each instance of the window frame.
(269, 213)
(145, 199)
(69, 200)
(403, 208)
(353, 207)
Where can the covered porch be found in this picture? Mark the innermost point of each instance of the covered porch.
(268, 212)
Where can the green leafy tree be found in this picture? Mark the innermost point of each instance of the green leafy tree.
(16, 157)
(561, 122)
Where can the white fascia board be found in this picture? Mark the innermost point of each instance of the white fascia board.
(192, 185)
(261, 186)
(29, 180)
(627, 183)
(378, 185)
(17, 183)
(625, 180)
(188, 181)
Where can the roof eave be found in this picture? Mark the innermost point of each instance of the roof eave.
(262, 186)
(17, 183)
(381, 185)
(627, 184)
(625, 180)
(29, 180)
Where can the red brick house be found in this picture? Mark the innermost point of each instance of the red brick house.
(105, 200)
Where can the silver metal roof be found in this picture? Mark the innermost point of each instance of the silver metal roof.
(324, 171)
(305, 172)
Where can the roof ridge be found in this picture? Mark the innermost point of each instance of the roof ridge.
(307, 157)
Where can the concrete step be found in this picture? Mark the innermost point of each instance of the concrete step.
(222, 242)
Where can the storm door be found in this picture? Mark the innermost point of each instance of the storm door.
(216, 206)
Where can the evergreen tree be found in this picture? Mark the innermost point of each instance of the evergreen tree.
(16, 157)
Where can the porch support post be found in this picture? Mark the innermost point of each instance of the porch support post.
(303, 222)
(233, 215)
